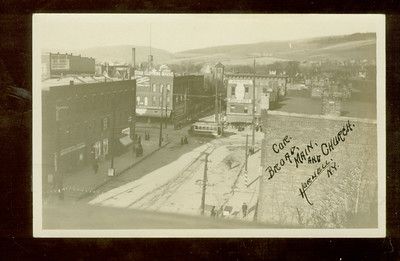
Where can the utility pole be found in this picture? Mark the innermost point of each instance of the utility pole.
(216, 98)
(203, 194)
(161, 117)
(246, 155)
(133, 116)
(111, 171)
(254, 107)
(186, 91)
(166, 107)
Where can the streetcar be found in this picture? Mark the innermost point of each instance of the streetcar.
(206, 129)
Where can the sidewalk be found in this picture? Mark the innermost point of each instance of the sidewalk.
(86, 181)
(242, 193)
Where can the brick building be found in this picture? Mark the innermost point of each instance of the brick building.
(190, 98)
(81, 122)
(154, 94)
(59, 64)
(239, 95)
(347, 198)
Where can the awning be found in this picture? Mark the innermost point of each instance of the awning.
(126, 140)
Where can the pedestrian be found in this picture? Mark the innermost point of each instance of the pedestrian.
(95, 167)
(186, 140)
(181, 140)
(139, 150)
(213, 212)
(244, 209)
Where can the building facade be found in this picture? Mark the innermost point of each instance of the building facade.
(58, 64)
(83, 123)
(154, 94)
(239, 95)
(191, 97)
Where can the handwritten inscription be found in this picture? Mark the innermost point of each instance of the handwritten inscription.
(330, 167)
(309, 153)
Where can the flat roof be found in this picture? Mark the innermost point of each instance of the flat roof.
(52, 82)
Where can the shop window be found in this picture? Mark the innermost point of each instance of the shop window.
(105, 146)
(97, 149)
(105, 123)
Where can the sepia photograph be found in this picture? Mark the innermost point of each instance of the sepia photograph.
(208, 125)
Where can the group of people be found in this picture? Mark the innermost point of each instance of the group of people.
(184, 140)
(214, 213)
(146, 135)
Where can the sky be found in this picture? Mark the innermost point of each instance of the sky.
(179, 32)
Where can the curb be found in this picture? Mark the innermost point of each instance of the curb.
(123, 171)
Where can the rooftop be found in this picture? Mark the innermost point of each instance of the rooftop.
(46, 84)
(257, 75)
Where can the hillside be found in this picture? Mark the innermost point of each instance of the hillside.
(123, 54)
(354, 46)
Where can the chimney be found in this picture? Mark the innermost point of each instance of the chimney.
(133, 62)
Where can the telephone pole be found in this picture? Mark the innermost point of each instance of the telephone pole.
(203, 195)
(133, 116)
(161, 118)
(246, 155)
(254, 107)
(111, 171)
(166, 108)
(216, 98)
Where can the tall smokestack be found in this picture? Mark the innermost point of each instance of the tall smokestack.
(133, 62)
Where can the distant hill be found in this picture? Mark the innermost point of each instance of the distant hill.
(123, 54)
(354, 46)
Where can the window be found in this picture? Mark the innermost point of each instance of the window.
(168, 99)
(160, 101)
(154, 100)
(138, 99)
(161, 87)
(246, 89)
(97, 149)
(105, 123)
(145, 101)
(265, 90)
(105, 146)
(245, 110)
(168, 87)
(232, 107)
(233, 90)
(154, 87)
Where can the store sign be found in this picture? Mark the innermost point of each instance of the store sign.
(58, 63)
